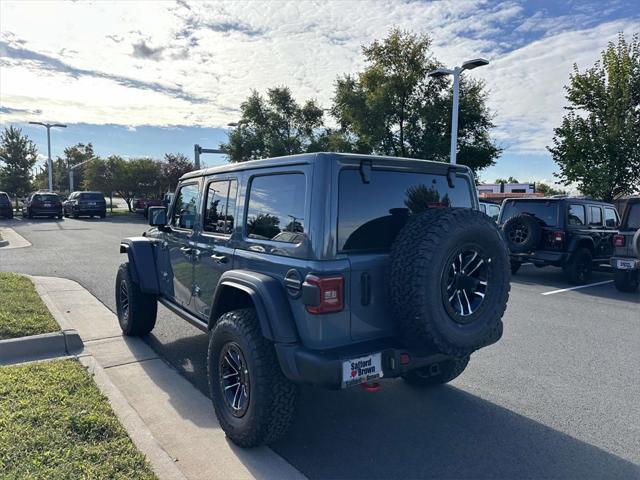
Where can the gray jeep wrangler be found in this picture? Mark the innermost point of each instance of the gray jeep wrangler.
(626, 259)
(325, 269)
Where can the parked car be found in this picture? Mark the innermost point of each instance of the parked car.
(141, 205)
(42, 204)
(626, 259)
(490, 209)
(81, 204)
(572, 233)
(327, 269)
(6, 208)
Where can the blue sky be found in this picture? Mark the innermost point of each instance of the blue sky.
(143, 79)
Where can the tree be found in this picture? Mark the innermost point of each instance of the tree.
(508, 180)
(72, 156)
(548, 190)
(392, 107)
(273, 126)
(264, 225)
(133, 178)
(17, 157)
(173, 167)
(597, 144)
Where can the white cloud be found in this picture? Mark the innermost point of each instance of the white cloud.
(137, 63)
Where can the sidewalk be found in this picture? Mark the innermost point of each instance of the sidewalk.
(14, 239)
(168, 419)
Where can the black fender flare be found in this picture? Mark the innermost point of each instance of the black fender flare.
(142, 262)
(581, 239)
(269, 299)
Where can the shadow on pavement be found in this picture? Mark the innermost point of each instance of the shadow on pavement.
(404, 432)
(401, 432)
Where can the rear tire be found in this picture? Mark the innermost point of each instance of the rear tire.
(136, 310)
(265, 398)
(426, 377)
(626, 281)
(579, 267)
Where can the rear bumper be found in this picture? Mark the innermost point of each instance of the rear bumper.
(43, 212)
(324, 367)
(541, 257)
(614, 263)
(89, 210)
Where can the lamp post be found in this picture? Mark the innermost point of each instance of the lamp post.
(456, 71)
(49, 163)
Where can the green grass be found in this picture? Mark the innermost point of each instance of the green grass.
(55, 424)
(22, 312)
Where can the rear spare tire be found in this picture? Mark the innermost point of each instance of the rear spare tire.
(626, 280)
(522, 233)
(449, 280)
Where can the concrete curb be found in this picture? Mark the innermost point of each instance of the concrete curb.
(13, 239)
(170, 421)
(38, 347)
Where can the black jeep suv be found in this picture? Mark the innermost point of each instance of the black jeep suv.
(85, 204)
(6, 209)
(626, 260)
(572, 233)
(326, 269)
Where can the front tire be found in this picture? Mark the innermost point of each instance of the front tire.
(626, 281)
(515, 266)
(430, 377)
(579, 267)
(136, 310)
(253, 400)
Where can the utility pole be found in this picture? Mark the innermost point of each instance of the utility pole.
(49, 162)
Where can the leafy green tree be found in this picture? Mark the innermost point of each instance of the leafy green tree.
(173, 167)
(264, 225)
(392, 107)
(273, 126)
(17, 158)
(133, 178)
(596, 145)
(548, 190)
(508, 180)
(72, 156)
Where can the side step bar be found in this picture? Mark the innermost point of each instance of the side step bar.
(181, 312)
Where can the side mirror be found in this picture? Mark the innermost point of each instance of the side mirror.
(158, 216)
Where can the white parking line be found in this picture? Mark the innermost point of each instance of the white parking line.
(576, 288)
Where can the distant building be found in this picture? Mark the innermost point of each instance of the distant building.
(497, 192)
(507, 188)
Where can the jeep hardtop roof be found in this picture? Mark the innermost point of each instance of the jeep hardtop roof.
(558, 199)
(308, 158)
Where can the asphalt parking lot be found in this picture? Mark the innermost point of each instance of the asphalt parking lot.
(556, 397)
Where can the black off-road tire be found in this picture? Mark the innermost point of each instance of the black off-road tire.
(522, 233)
(272, 397)
(626, 281)
(579, 267)
(10, 217)
(137, 316)
(421, 261)
(447, 371)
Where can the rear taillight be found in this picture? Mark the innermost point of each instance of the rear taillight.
(618, 241)
(557, 237)
(329, 294)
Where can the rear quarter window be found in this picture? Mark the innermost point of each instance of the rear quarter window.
(633, 217)
(370, 215)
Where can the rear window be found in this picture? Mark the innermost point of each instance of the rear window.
(370, 215)
(547, 212)
(47, 197)
(633, 218)
(91, 196)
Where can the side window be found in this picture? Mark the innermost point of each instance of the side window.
(610, 217)
(494, 211)
(576, 215)
(596, 216)
(276, 208)
(185, 207)
(220, 207)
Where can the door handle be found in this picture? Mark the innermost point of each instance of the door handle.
(186, 250)
(219, 258)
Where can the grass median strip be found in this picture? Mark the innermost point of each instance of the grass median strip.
(22, 312)
(55, 423)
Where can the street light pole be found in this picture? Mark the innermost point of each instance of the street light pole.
(71, 169)
(440, 72)
(49, 162)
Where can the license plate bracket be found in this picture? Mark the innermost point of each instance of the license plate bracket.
(626, 264)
